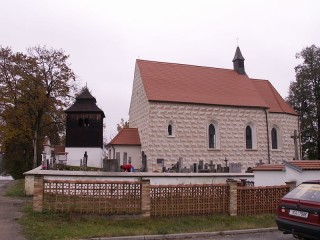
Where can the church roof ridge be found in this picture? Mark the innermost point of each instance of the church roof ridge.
(185, 64)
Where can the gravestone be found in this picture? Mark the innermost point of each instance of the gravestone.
(180, 164)
(111, 165)
(200, 167)
(195, 168)
(144, 162)
(219, 168)
(235, 167)
(212, 166)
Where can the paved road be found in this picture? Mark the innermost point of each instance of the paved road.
(276, 235)
(10, 212)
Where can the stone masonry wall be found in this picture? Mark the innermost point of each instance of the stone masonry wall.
(190, 139)
(139, 109)
(286, 124)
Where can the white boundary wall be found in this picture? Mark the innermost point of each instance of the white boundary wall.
(155, 178)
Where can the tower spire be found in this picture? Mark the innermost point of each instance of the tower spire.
(238, 62)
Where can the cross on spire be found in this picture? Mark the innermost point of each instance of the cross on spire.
(237, 40)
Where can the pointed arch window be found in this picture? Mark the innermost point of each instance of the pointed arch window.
(249, 139)
(212, 136)
(170, 129)
(274, 138)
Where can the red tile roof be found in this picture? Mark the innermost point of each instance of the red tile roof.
(59, 149)
(127, 136)
(272, 97)
(304, 164)
(269, 167)
(171, 82)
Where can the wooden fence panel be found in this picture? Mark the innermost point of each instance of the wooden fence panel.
(179, 200)
(92, 197)
(259, 200)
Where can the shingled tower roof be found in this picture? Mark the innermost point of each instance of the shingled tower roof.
(85, 102)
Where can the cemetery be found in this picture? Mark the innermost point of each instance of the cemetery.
(80, 178)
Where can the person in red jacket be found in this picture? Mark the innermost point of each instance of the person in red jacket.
(126, 167)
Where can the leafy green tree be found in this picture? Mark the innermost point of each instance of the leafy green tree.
(36, 87)
(304, 96)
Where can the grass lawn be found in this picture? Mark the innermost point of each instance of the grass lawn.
(48, 225)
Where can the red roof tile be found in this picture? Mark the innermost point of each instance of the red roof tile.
(127, 136)
(304, 164)
(171, 82)
(270, 95)
(59, 149)
(269, 167)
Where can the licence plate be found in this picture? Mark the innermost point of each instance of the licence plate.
(298, 213)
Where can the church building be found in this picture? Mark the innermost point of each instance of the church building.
(198, 113)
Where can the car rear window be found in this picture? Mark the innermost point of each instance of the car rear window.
(306, 191)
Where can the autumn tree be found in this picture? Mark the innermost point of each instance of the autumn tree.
(304, 96)
(36, 86)
(122, 124)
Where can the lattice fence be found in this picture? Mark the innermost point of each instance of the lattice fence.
(92, 197)
(181, 200)
(259, 200)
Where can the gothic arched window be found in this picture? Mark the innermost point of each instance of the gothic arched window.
(212, 136)
(249, 138)
(274, 138)
(170, 129)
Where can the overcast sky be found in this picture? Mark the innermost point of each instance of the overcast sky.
(104, 38)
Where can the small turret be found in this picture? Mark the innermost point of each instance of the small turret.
(238, 62)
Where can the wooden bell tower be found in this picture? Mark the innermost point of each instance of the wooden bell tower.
(84, 128)
(84, 122)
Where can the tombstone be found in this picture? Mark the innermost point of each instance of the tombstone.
(212, 167)
(118, 158)
(219, 168)
(235, 167)
(200, 167)
(125, 158)
(144, 162)
(111, 165)
(206, 166)
(180, 164)
(160, 164)
(195, 168)
(185, 170)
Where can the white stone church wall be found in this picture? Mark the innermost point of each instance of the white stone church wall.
(139, 109)
(287, 124)
(190, 139)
